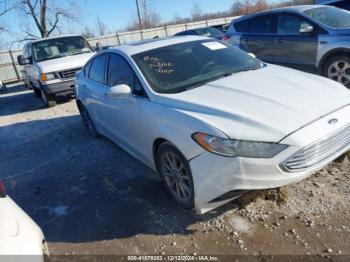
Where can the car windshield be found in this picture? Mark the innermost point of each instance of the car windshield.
(330, 16)
(180, 67)
(209, 31)
(60, 47)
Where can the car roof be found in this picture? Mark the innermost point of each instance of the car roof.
(145, 45)
(53, 37)
(294, 9)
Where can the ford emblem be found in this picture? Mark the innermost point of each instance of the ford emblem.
(332, 121)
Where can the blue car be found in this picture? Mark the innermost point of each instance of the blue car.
(311, 38)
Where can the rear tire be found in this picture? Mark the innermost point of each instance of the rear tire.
(176, 175)
(49, 99)
(87, 121)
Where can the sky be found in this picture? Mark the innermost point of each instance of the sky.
(117, 14)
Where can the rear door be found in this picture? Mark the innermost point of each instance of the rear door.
(258, 37)
(295, 49)
(94, 88)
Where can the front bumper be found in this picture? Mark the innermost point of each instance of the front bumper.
(215, 175)
(60, 88)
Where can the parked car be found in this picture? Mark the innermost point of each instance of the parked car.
(205, 31)
(211, 119)
(50, 65)
(338, 3)
(312, 38)
(20, 236)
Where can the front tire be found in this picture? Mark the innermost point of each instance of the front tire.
(176, 175)
(49, 99)
(337, 68)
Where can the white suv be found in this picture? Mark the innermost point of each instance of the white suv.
(50, 65)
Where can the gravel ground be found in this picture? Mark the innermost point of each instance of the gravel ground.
(90, 197)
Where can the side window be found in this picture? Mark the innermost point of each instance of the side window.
(241, 26)
(87, 68)
(261, 24)
(97, 70)
(290, 24)
(120, 72)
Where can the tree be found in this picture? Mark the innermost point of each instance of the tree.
(236, 8)
(261, 5)
(101, 27)
(149, 17)
(196, 12)
(46, 14)
(5, 7)
(88, 32)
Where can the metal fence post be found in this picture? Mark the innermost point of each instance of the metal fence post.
(166, 31)
(118, 39)
(14, 66)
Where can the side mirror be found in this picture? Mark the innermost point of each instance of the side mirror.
(21, 60)
(252, 55)
(306, 29)
(119, 91)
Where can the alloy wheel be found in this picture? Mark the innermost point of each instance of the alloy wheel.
(340, 72)
(176, 177)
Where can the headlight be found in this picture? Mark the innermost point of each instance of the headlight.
(48, 76)
(241, 148)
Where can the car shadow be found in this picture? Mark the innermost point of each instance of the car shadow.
(80, 189)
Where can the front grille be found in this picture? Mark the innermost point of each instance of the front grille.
(318, 152)
(68, 74)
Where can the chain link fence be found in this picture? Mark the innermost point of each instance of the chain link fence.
(11, 71)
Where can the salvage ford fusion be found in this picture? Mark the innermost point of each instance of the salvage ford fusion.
(211, 119)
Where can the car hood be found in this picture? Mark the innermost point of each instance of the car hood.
(64, 63)
(261, 105)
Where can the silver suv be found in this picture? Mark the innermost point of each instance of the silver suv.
(50, 65)
(311, 38)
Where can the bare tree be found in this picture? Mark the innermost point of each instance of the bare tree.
(149, 17)
(46, 15)
(236, 8)
(101, 27)
(261, 5)
(88, 32)
(5, 7)
(196, 12)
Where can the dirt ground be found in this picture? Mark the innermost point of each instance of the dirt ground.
(91, 197)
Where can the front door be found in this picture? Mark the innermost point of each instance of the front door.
(294, 48)
(121, 116)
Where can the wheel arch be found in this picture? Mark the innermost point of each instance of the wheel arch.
(156, 143)
(329, 54)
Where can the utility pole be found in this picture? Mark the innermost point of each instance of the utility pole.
(139, 16)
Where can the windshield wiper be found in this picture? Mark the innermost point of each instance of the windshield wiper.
(200, 83)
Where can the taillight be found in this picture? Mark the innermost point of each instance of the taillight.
(2, 190)
(226, 37)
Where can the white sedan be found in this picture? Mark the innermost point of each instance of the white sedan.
(212, 120)
(21, 239)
